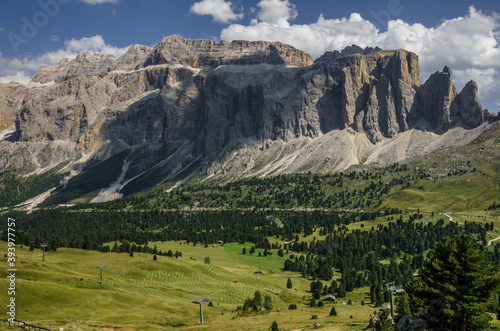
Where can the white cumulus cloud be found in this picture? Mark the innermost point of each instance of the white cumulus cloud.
(20, 69)
(19, 77)
(276, 12)
(468, 44)
(221, 11)
(488, 82)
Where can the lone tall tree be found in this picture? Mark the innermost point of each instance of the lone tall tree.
(402, 306)
(455, 286)
(384, 323)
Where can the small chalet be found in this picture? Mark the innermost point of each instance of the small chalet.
(330, 297)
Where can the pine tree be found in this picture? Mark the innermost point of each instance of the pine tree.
(257, 299)
(402, 306)
(274, 327)
(333, 312)
(248, 303)
(268, 303)
(384, 322)
(289, 283)
(455, 285)
(207, 260)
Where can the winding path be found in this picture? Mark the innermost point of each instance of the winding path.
(451, 218)
(492, 240)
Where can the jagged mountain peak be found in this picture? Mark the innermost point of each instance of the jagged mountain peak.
(87, 64)
(348, 50)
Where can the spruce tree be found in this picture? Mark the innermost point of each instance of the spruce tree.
(257, 299)
(384, 322)
(455, 286)
(289, 283)
(268, 303)
(402, 306)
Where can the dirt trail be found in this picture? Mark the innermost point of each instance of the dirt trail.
(492, 240)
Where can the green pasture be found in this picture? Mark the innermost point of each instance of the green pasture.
(139, 293)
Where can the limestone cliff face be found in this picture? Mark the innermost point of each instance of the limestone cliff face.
(202, 53)
(11, 98)
(379, 92)
(436, 97)
(210, 95)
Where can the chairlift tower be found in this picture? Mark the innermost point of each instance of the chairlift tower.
(391, 288)
(101, 267)
(201, 301)
(43, 247)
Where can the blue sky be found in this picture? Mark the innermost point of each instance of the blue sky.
(453, 33)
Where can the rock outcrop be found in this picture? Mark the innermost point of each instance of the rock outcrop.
(408, 323)
(467, 106)
(349, 50)
(11, 98)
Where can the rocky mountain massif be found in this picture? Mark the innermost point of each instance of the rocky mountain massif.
(231, 109)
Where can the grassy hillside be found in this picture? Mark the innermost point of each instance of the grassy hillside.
(458, 179)
(143, 294)
(455, 179)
